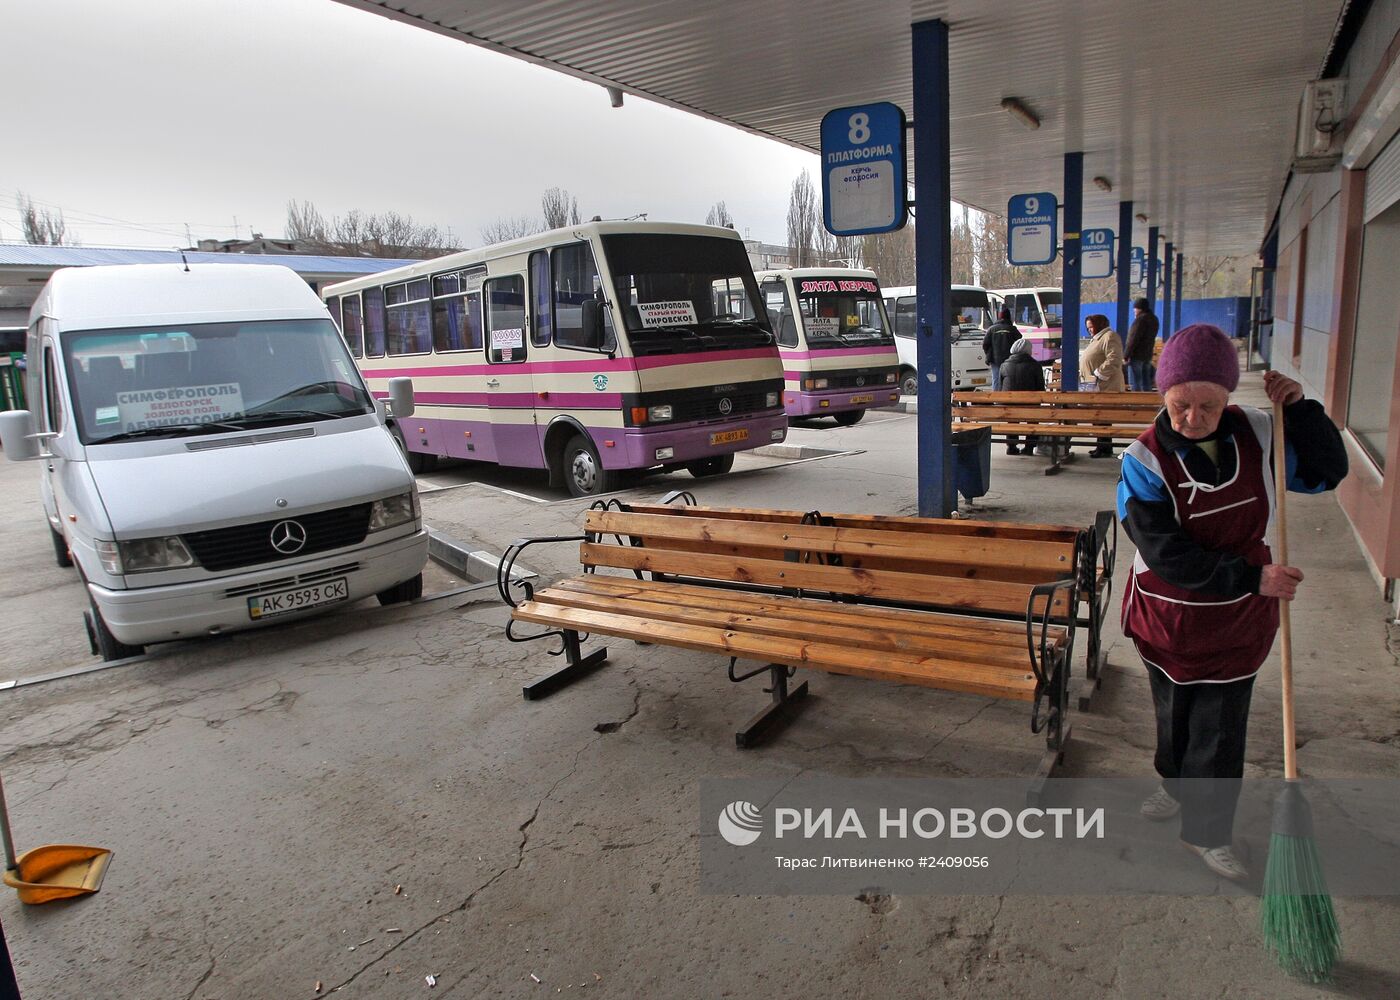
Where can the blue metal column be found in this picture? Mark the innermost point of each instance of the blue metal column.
(1125, 261)
(933, 268)
(1165, 316)
(1151, 268)
(1176, 323)
(1070, 323)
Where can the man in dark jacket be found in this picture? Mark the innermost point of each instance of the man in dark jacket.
(1021, 372)
(996, 345)
(1137, 352)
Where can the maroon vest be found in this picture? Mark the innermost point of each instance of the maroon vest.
(1192, 635)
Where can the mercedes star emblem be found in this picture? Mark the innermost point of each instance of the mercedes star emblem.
(288, 537)
(860, 380)
(725, 406)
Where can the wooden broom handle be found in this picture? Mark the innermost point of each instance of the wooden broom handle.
(1290, 742)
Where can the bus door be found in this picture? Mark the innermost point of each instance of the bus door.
(510, 388)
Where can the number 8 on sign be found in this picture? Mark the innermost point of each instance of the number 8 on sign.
(860, 128)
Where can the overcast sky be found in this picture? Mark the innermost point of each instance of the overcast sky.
(137, 117)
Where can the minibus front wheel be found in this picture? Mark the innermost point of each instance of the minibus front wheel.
(583, 469)
(103, 642)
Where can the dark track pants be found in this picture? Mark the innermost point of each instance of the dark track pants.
(1200, 752)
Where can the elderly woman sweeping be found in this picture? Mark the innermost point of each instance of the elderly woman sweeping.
(1196, 498)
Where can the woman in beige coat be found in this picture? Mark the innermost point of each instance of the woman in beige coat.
(1101, 360)
(1101, 368)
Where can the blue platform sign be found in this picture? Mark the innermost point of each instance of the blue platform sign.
(1096, 253)
(863, 173)
(1138, 274)
(1032, 229)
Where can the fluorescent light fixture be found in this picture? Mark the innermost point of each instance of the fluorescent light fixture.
(1020, 112)
(1141, 217)
(1103, 184)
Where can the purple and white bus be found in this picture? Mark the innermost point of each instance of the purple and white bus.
(583, 351)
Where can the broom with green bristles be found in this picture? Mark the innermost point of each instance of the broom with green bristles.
(1300, 929)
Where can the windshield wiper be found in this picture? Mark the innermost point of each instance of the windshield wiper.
(273, 416)
(171, 430)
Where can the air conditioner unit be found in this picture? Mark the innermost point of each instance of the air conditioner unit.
(1321, 113)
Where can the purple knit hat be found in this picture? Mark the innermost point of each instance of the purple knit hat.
(1199, 353)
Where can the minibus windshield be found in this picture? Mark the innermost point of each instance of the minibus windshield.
(1054, 309)
(841, 312)
(685, 293)
(202, 378)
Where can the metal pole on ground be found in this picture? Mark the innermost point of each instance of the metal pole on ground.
(1165, 316)
(1070, 294)
(1152, 237)
(933, 268)
(1176, 322)
(1125, 261)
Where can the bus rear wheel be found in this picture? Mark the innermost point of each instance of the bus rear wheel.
(848, 418)
(583, 469)
(909, 382)
(716, 466)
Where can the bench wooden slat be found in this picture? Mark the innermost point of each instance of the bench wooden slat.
(959, 556)
(915, 588)
(1070, 430)
(1063, 398)
(987, 631)
(773, 621)
(1078, 414)
(922, 525)
(926, 671)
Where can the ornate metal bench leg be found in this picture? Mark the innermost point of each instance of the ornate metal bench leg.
(785, 702)
(1057, 730)
(576, 667)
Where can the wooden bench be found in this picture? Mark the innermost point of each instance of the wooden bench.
(963, 613)
(1095, 565)
(1060, 419)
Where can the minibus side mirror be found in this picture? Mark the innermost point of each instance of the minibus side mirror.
(401, 397)
(17, 436)
(591, 316)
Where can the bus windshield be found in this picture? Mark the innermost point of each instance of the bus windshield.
(201, 378)
(841, 312)
(685, 293)
(1054, 309)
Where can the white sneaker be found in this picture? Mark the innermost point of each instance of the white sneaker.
(1159, 806)
(1220, 860)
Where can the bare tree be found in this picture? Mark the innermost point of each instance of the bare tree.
(305, 222)
(360, 234)
(503, 230)
(41, 225)
(890, 256)
(719, 216)
(802, 221)
(559, 209)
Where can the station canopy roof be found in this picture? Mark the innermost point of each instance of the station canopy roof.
(1187, 107)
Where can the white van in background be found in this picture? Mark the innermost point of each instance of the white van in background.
(1039, 316)
(971, 316)
(211, 459)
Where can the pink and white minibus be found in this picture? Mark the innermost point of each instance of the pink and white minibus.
(837, 345)
(584, 351)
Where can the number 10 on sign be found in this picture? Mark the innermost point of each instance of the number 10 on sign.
(1096, 253)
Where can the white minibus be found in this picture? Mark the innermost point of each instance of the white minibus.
(834, 337)
(209, 457)
(1038, 314)
(971, 315)
(583, 351)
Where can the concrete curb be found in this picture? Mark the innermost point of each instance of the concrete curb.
(477, 565)
(794, 451)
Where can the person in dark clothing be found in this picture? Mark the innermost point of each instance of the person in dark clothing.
(1142, 340)
(1196, 497)
(1021, 372)
(996, 345)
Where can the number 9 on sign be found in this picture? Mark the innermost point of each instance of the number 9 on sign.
(1032, 205)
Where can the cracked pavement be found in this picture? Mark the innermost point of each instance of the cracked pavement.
(364, 799)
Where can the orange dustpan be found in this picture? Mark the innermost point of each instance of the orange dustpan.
(55, 871)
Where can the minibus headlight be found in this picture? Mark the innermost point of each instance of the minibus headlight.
(393, 511)
(814, 383)
(656, 414)
(890, 377)
(771, 400)
(145, 555)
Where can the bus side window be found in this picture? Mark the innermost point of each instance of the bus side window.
(505, 319)
(905, 316)
(541, 300)
(374, 322)
(53, 405)
(351, 327)
(575, 278)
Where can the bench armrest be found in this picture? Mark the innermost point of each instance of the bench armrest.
(1106, 541)
(1050, 668)
(503, 569)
